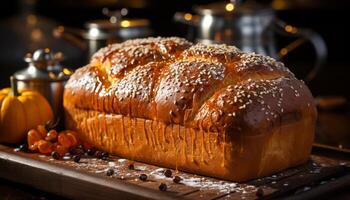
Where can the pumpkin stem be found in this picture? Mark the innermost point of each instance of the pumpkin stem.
(14, 89)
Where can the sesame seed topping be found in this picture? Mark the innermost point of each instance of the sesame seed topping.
(249, 60)
(175, 75)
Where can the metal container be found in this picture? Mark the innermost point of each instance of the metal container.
(99, 33)
(102, 32)
(251, 27)
(244, 25)
(45, 75)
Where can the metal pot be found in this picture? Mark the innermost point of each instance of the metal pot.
(45, 75)
(251, 27)
(99, 33)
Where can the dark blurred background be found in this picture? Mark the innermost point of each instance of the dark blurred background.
(327, 17)
(26, 25)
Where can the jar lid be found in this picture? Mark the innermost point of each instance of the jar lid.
(43, 65)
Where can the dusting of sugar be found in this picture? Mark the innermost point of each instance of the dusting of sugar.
(111, 164)
(101, 171)
(66, 158)
(140, 167)
(156, 174)
(200, 182)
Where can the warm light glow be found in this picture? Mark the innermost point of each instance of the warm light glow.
(32, 20)
(94, 32)
(280, 4)
(188, 16)
(67, 71)
(113, 19)
(124, 11)
(125, 23)
(60, 29)
(283, 51)
(230, 7)
(36, 34)
(207, 22)
(290, 29)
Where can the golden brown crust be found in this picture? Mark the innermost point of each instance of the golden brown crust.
(210, 88)
(166, 79)
(238, 158)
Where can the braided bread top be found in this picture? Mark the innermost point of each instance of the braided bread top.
(210, 87)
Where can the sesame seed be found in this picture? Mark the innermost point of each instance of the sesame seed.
(192, 71)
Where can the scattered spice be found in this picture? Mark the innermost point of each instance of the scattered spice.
(131, 166)
(104, 158)
(76, 158)
(177, 179)
(168, 173)
(23, 147)
(90, 152)
(163, 187)
(259, 192)
(77, 151)
(110, 172)
(143, 177)
(105, 154)
(55, 155)
(98, 154)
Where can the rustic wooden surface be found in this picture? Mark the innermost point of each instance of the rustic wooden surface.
(88, 180)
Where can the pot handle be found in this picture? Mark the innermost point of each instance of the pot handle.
(303, 35)
(72, 35)
(186, 18)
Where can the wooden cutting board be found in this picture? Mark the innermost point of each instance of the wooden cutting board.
(88, 179)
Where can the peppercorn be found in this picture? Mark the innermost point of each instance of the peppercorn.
(110, 172)
(104, 158)
(76, 158)
(163, 187)
(131, 166)
(143, 177)
(168, 173)
(105, 154)
(23, 147)
(259, 192)
(177, 179)
(98, 154)
(76, 151)
(55, 155)
(90, 152)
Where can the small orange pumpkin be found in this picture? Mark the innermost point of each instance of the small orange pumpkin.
(20, 112)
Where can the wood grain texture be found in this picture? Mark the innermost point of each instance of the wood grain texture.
(87, 180)
(68, 182)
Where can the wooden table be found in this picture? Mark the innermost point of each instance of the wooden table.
(88, 179)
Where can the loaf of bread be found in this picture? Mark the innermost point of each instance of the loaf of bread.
(205, 109)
